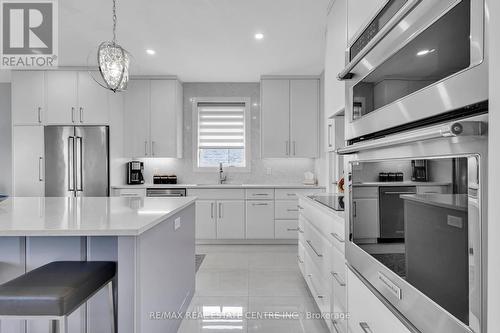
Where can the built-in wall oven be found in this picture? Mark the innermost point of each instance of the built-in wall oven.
(414, 61)
(433, 275)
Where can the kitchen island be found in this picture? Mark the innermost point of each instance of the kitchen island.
(151, 239)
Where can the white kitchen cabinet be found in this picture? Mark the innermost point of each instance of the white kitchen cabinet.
(290, 117)
(75, 98)
(366, 220)
(359, 12)
(62, 104)
(28, 161)
(93, 104)
(304, 118)
(286, 229)
(366, 312)
(28, 98)
(259, 219)
(136, 121)
(275, 118)
(153, 119)
(206, 219)
(230, 219)
(129, 192)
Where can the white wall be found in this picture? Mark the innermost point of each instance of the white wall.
(493, 9)
(5, 140)
(283, 171)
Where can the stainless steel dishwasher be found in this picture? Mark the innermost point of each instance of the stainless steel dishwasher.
(166, 192)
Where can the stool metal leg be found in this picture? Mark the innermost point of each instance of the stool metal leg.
(114, 308)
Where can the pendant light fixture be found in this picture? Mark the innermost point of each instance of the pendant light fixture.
(113, 61)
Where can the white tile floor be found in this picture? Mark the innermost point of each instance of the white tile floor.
(236, 284)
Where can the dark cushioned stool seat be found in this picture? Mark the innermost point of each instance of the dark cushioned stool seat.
(55, 289)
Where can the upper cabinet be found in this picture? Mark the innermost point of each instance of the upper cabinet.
(58, 98)
(28, 97)
(358, 14)
(290, 117)
(153, 123)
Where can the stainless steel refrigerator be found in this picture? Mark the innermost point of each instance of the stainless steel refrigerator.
(76, 161)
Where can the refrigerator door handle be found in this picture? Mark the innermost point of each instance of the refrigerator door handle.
(71, 164)
(79, 164)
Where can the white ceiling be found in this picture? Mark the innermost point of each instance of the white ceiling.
(200, 40)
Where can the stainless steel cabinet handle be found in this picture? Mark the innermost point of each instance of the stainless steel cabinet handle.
(287, 148)
(79, 164)
(212, 210)
(292, 229)
(40, 172)
(39, 115)
(318, 296)
(337, 278)
(336, 326)
(300, 260)
(72, 114)
(364, 326)
(145, 148)
(292, 210)
(294, 145)
(220, 210)
(81, 114)
(300, 207)
(259, 204)
(354, 209)
(330, 135)
(300, 230)
(153, 148)
(337, 237)
(260, 194)
(315, 251)
(291, 194)
(394, 193)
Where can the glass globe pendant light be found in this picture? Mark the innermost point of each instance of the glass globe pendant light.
(113, 61)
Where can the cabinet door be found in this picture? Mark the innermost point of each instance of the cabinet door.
(275, 118)
(205, 219)
(366, 220)
(231, 219)
(366, 312)
(136, 119)
(359, 12)
(62, 100)
(28, 97)
(260, 219)
(28, 161)
(92, 101)
(304, 118)
(164, 115)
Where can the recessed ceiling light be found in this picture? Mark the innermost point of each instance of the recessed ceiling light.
(259, 36)
(422, 53)
(150, 51)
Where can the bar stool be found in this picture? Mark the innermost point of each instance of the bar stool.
(55, 290)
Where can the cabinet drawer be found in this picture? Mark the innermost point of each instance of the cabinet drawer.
(338, 265)
(338, 303)
(291, 193)
(431, 189)
(317, 286)
(129, 192)
(319, 249)
(286, 209)
(217, 194)
(326, 223)
(364, 192)
(260, 193)
(301, 257)
(367, 312)
(286, 229)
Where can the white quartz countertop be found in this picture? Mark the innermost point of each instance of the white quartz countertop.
(322, 207)
(86, 216)
(221, 186)
(406, 183)
(450, 201)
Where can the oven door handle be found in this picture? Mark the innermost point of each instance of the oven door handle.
(393, 22)
(452, 129)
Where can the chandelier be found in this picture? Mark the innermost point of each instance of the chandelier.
(113, 61)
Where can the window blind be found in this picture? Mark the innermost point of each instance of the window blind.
(221, 126)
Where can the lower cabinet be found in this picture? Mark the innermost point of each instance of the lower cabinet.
(366, 312)
(260, 219)
(28, 161)
(220, 219)
(286, 229)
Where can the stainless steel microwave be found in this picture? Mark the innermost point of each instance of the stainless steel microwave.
(415, 60)
(420, 245)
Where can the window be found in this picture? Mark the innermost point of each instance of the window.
(222, 134)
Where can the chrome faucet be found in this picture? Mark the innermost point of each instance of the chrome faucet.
(222, 176)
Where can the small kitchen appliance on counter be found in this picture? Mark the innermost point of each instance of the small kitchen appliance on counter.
(419, 171)
(135, 173)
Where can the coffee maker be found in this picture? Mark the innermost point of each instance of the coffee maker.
(419, 170)
(135, 173)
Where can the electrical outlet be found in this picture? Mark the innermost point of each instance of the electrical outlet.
(177, 223)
